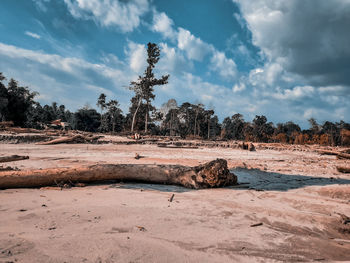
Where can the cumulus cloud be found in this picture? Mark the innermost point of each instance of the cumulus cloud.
(163, 25)
(137, 56)
(33, 35)
(298, 92)
(194, 47)
(310, 37)
(126, 15)
(71, 81)
(226, 67)
(172, 60)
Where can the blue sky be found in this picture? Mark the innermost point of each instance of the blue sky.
(288, 60)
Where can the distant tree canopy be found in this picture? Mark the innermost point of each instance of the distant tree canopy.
(188, 120)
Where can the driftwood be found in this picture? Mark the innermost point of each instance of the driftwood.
(211, 174)
(12, 158)
(343, 169)
(72, 139)
(343, 156)
(345, 151)
(324, 152)
(340, 155)
(174, 146)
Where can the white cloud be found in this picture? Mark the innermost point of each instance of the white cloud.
(226, 67)
(71, 81)
(298, 92)
(172, 61)
(126, 15)
(239, 87)
(194, 47)
(40, 4)
(137, 56)
(164, 25)
(307, 38)
(33, 35)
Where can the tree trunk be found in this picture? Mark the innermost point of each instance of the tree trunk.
(343, 169)
(72, 139)
(146, 119)
(209, 128)
(134, 116)
(113, 124)
(211, 174)
(12, 158)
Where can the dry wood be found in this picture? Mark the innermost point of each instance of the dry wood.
(343, 156)
(172, 146)
(257, 224)
(72, 139)
(343, 169)
(345, 151)
(211, 174)
(324, 152)
(12, 158)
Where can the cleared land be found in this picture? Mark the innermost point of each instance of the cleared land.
(291, 205)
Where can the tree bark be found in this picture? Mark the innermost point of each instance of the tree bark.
(146, 119)
(72, 139)
(12, 158)
(343, 169)
(343, 156)
(211, 174)
(134, 116)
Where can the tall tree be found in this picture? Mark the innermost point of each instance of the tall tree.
(101, 103)
(3, 98)
(144, 86)
(20, 99)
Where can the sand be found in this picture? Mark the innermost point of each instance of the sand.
(294, 197)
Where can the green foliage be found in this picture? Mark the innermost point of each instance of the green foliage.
(144, 87)
(16, 102)
(86, 119)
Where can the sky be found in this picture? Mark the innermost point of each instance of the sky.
(287, 60)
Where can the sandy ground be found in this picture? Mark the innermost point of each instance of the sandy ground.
(295, 197)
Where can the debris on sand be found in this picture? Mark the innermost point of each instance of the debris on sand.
(171, 198)
(343, 169)
(12, 158)
(73, 139)
(257, 224)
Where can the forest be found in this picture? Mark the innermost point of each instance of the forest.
(188, 120)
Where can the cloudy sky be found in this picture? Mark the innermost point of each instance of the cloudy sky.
(287, 60)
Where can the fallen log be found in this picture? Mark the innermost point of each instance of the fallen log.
(343, 156)
(343, 169)
(325, 152)
(345, 151)
(72, 139)
(12, 158)
(211, 174)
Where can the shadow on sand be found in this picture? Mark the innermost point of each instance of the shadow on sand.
(253, 179)
(262, 180)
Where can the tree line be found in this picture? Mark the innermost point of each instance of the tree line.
(17, 104)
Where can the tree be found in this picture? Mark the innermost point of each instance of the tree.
(143, 87)
(19, 99)
(101, 103)
(261, 129)
(114, 114)
(86, 119)
(3, 98)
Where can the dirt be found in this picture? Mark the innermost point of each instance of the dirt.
(292, 195)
